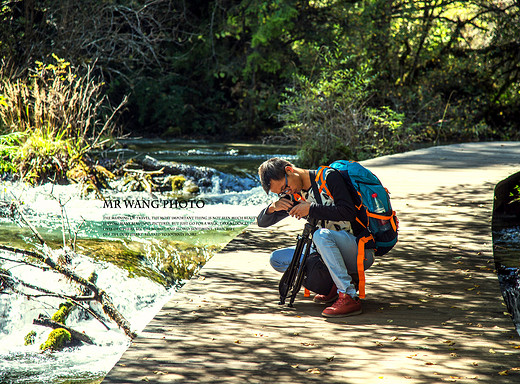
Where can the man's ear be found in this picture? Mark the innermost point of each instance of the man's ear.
(288, 168)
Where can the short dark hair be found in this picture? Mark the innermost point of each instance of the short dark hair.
(272, 169)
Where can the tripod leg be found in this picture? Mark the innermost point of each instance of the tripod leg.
(299, 277)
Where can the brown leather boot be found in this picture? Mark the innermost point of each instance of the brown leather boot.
(344, 306)
(326, 299)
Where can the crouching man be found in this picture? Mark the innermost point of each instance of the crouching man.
(337, 237)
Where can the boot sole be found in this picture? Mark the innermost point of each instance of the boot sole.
(326, 302)
(344, 314)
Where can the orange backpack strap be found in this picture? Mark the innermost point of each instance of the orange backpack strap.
(392, 218)
(320, 181)
(298, 197)
(361, 265)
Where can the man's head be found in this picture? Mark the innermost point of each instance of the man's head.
(273, 169)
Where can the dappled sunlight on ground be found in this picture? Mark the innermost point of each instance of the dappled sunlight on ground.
(433, 310)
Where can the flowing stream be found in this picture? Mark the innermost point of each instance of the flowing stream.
(142, 246)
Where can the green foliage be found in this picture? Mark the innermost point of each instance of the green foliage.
(9, 147)
(57, 340)
(515, 194)
(447, 70)
(330, 116)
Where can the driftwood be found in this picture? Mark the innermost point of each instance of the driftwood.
(47, 322)
(99, 295)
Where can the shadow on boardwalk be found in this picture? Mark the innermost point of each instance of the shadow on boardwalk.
(433, 311)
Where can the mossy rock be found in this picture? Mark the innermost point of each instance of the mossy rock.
(57, 340)
(96, 176)
(62, 313)
(190, 187)
(30, 338)
(177, 182)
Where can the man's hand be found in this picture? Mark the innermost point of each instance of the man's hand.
(280, 205)
(300, 210)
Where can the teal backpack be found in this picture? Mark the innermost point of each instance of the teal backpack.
(376, 221)
(375, 199)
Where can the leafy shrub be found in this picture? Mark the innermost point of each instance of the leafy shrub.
(330, 115)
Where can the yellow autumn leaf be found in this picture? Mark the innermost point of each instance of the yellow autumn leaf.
(503, 373)
(315, 371)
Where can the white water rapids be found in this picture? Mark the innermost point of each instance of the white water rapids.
(230, 204)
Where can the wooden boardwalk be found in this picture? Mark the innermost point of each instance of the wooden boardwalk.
(433, 311)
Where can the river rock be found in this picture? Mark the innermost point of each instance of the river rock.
(173, 168)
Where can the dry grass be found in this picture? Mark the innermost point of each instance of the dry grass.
(59, 114)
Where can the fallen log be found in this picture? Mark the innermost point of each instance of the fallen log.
(47, 322)
(98, 294)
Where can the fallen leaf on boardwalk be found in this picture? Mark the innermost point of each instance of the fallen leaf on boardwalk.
(454, 354)
(379, 344)
(449, 342)
(412, 356)
(307, 344)
(430, 363)
(160, 373)
(394, 338)
(237, 341)
(475, 364)
(295, 365)
(491, 350)
(315, 371)
(503, 373)
(330, 358)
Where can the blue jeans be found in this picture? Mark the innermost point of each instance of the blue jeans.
(338, 250)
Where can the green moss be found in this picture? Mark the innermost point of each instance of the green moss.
(177, 182)
(57, 340)
(61, 315)
(30, 338)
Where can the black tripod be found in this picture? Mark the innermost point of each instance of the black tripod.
(292, 278)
